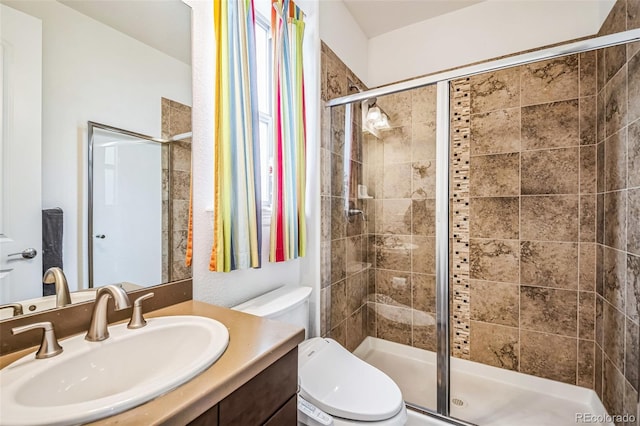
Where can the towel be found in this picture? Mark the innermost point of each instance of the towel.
(52, 230)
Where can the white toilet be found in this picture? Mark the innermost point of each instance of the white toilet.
(335, 387)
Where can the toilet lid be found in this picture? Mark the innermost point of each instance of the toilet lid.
(342, 385)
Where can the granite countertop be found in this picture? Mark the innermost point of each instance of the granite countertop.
(254, 344)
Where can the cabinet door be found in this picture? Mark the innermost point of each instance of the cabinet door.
(259, 399)
(287, 415)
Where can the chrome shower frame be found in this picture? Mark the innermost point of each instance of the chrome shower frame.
(443, 81)
(91, 125)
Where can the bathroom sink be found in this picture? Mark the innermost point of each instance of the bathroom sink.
(92, 380)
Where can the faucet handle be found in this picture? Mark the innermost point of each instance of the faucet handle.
(137, 320)
(49, 346)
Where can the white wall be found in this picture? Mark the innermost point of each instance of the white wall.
(228, 289)
(92, 72)
(342, 34)
(486, 30)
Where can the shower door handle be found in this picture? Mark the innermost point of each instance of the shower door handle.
(101, 236)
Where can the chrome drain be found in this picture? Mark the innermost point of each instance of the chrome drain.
(457, 401)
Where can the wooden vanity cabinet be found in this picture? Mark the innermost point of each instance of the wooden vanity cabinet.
(267, 399)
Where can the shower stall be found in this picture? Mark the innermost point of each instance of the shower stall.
(481, 233)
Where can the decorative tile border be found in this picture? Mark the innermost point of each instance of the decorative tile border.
(460, 130)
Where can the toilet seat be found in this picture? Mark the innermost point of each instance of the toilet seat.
(344, 386)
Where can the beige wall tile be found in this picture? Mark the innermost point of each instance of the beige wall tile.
(587, 267)
(549, 264)
(394, 324)
(495, 175)
(338, 302)
(612, 387)
(615, 212)
(588, 117)
(634, 88)
(496, 303)
(614, 58)
(356, 329)
(494, 260)
(424, 292)
(587, 73)
(497, 90)
(549, 81)
(393, 252)
(494, 217)
(423, 217)
(586, 363)
(553, 171)
(614, 277)
(616, 102)
(632, 352)
(549, 218)
(550, 125)
(549, 356)
(495, 132)
(396, 145)
(495, 345)
(423, 179)
(588, 169)
(395, 285)
(633, 221)
(338, 260)
(613, 338)
(615, 161)
(586, 315)
(423, 105)
(549, 310)
(634, 154)
(423, 254)
(633, 287)
(398, 107)
(423, 141)
(397, 181)
(588, 217)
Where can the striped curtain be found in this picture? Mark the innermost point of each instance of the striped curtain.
(288, 226)
(237, 205)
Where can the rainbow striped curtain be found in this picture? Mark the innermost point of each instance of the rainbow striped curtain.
(288, 226)
(237, 198)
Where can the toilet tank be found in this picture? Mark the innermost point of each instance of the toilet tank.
(289, 304)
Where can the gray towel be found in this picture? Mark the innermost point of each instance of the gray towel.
(52, 222)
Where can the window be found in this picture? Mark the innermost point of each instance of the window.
(264, 71)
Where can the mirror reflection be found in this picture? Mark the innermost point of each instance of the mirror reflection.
(64, 64)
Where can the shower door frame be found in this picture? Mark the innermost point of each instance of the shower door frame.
(443, 81)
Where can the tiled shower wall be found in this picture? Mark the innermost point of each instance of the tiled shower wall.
(618, 216)
(345, 273)
(400, 175)
(532, 188)
(176, 120)
(539, 261)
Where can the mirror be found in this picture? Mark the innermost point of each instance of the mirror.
(65, 63)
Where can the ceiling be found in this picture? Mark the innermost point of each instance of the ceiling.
(377, 17)
(162, 24)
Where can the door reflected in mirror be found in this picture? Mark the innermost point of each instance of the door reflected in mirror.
(63, 64)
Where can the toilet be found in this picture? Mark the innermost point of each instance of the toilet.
(335, 387)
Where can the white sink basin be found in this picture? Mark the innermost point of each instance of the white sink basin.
(92, 380)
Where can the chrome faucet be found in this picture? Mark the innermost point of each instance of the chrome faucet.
(56, 276)
(98, 330)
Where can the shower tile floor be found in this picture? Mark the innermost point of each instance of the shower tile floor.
(481, 394)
